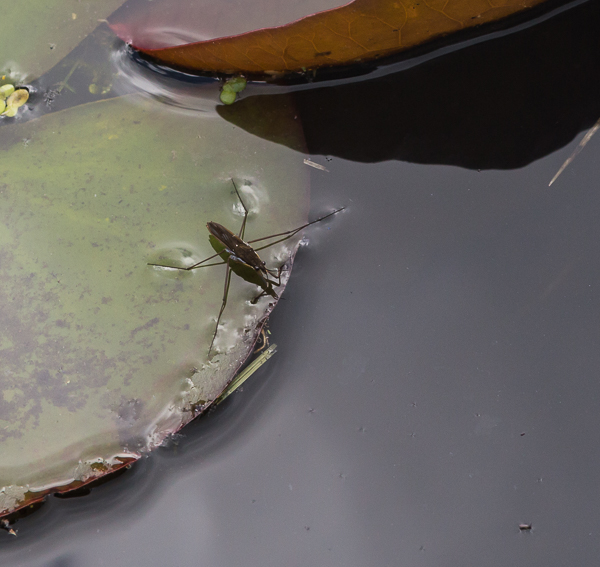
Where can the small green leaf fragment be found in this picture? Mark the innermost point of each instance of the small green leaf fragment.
(93, 88)
(2, 106)
(10, 111)
(228, 97)
(247, 372)
(6, 91)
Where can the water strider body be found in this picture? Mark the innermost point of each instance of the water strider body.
(242, 254)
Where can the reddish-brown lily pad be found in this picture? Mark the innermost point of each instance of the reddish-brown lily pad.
(359, 31)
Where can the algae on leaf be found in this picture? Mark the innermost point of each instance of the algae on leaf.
(102, 355)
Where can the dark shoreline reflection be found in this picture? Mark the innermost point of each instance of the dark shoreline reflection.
(499, 104)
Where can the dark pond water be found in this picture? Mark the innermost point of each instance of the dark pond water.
(437, 376)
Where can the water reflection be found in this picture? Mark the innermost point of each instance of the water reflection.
(497, 105)
(185, 92)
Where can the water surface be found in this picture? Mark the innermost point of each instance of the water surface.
(436, 381)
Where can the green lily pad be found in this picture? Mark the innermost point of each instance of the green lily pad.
(103, 356)
(37, 34)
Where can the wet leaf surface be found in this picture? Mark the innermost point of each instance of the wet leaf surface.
(102, 355)
(359, 31)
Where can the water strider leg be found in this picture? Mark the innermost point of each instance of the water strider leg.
(290, 233)
(228, 270)
(287, 234)
(268, 287)
(241, 252)
(198, 264)
(243, 228)
(225, 295)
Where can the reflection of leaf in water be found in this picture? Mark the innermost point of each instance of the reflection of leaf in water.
(497, 110)
(36, 34)
(359, 31)
(103, 356)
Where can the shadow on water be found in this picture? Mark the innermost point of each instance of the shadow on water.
(500, 104)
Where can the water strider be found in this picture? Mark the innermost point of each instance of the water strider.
(242, 254)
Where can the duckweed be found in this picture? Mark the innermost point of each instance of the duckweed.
(11, 100)
(231, 88)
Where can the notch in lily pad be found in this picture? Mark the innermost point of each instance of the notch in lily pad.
(12, 99)
(231, 88)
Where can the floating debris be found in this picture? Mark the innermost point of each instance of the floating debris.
(5, 525)
(247, 372)
(579, 147)
(315, 165)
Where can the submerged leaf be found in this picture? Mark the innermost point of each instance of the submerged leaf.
(36, 34)
(359, 31)
(102, 355)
